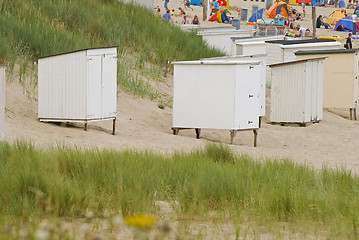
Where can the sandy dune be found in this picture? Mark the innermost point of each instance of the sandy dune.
(142, 125)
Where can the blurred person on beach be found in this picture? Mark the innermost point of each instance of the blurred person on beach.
(307, 33)
(320, 22)
(172, 12)
(348, 44)
(352, 4)
(297, 15)
(303, 8)
(166, 3)
(341, 4)
(182, 11)
(167, 16)
(289, 23)
(279, 20)
(158, 13)
(301, 31)
(185, 20)
(195, 20)
(216, 5)
(187, 4)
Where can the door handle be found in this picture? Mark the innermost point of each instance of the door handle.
(250, 67)
(249, 122)
(250, 96)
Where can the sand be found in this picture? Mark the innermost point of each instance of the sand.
(142, 125)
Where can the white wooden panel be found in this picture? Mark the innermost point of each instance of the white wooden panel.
(274, 53)
(319, 82)
(216, 96)
(288, 93)
(2, 102)
(101, 51)
(262, 73)
(109, 85)
(297, 92)
(247, 97)
(289, 53)
(70, 85)
(314, 91)
(340, 85)
(185, 96)
(250, 48)
(356, 80)
(94, 85)
(205, 95)
(62, 86)
(222, 39)
(274, 56)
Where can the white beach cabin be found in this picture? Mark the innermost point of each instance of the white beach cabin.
(297, 92)
(2, 102)
(262, 83)
(253, 44)
(341, 72)
(79, 86)
(221, 39)
(280, 51)
(216, 95)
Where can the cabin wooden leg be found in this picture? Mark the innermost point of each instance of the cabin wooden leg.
(355, 113)
(175, 131)
(351, 113)
(260, 122)
(232, 134)
(255, 137)
(85, 126)
(114, 126)
(198, 132)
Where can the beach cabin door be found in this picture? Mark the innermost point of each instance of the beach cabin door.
(94, 86)
(109, 85)
(101, 86)
(314, 89)
(247, 97)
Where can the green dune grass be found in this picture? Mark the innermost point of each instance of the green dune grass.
(63, 182)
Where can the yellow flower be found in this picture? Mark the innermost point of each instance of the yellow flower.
(141, 221)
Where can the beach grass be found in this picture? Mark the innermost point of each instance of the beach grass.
(36, 28)
(212, 182)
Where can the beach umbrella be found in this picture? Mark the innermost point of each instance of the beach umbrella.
(345, 25)
(216, 17)
(335, 16)
(257, 15)
(278, 8)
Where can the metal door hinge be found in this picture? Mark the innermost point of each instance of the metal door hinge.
(250, 67)
(249, 122)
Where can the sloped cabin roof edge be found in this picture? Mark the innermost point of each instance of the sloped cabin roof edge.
(74, 51)
(297, 61)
